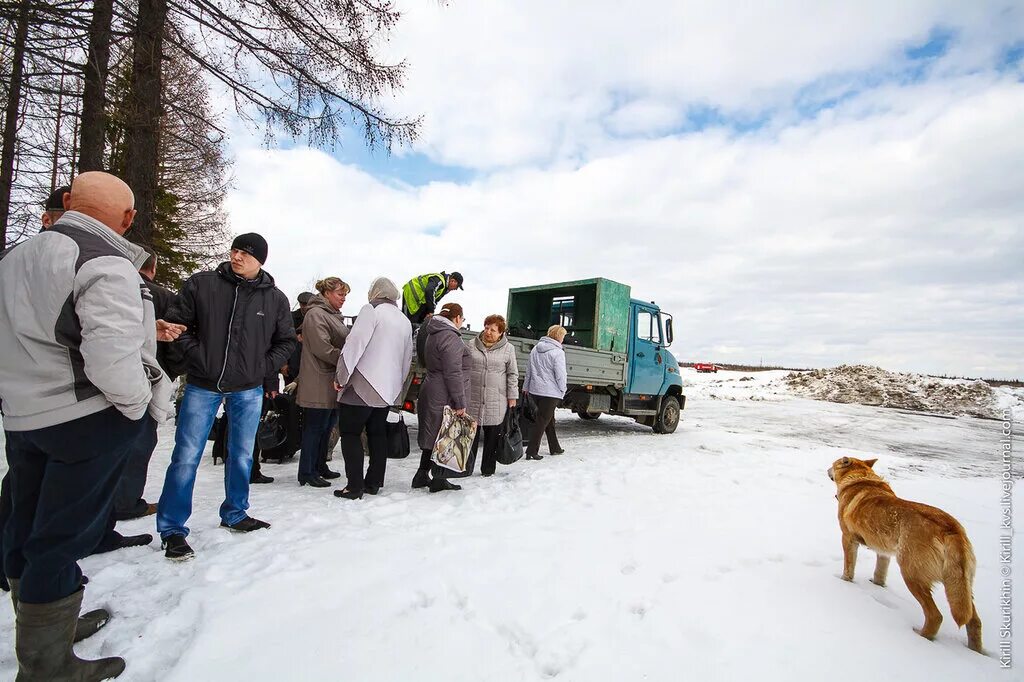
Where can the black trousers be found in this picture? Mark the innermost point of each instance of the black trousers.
(316, 436)
(63, 480)
(128, 499)
(352, 419)
(489, 435)
(5, 513)
(545, 424)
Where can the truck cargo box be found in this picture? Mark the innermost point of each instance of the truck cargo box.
(594, 311)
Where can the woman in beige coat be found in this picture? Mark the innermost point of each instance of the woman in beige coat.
(323, 336)
(494, 387)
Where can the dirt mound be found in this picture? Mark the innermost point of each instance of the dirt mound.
(868, 385)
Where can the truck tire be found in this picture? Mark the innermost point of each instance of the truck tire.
(588, 416)
(667, 418)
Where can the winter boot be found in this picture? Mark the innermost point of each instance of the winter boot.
(45, 633)
(421, 479)
(439, 484)
(88, 623)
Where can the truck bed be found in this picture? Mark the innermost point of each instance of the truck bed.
(585, 366)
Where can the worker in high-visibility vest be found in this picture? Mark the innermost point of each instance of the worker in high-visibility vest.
(420, 295)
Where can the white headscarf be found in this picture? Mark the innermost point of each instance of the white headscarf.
(383, 287)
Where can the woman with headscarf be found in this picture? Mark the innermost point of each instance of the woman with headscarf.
(370, 376)
(494, 387)
(446, 383)
(324, 334)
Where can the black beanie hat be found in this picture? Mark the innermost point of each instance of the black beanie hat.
(252, 244)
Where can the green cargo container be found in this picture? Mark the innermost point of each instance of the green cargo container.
(595, 311)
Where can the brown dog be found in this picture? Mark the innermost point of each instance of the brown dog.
(930, 546)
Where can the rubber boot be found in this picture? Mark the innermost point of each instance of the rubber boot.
(43, 642)
(88, 623)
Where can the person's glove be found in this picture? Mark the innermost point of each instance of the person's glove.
(290, 388)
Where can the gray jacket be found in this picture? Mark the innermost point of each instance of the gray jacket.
(447, 380)
(494, 379)
(77, 328)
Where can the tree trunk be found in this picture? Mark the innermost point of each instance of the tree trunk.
(143, 136)
(94, 92)
(11, 120)
(55, 158)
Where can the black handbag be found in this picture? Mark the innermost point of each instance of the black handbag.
(510, 442)
(398, 439)
(528, 407)
(526, 413)
(271, 432)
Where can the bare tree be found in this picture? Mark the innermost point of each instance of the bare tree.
(300, 66)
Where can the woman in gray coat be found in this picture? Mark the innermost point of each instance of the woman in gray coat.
(447, 383)
(494, 387)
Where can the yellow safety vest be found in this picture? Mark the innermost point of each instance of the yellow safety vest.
(414, 293)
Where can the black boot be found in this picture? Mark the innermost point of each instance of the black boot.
(45, 633)
(327, 473)
(529, 456)
(421, 479)
(113, 541)
(439, 484)
(314, 480)
(88, 623)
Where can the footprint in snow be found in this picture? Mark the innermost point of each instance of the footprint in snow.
(628, 569)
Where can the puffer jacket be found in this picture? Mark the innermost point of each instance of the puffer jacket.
(323, 335)
(494, 379)
(545, 373)
(77, 328)
(447, 380)
(240, 333)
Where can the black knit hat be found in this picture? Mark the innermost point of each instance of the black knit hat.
(252, 244)
(55, 202)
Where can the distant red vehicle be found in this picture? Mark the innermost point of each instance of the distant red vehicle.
(705, 367)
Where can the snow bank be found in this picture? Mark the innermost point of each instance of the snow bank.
(875, 386)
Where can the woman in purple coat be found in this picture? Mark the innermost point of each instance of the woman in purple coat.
(448, 364)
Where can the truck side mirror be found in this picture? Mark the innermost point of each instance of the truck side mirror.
(668, 332)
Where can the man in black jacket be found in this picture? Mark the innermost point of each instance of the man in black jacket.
(239, 335)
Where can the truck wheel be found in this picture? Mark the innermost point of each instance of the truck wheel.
(588, 416)
(668, 416)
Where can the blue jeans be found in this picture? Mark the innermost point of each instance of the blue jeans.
(198, 410)
(316, 436)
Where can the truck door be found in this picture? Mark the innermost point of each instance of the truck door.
(647, 369)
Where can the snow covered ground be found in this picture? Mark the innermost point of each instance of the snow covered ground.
(709, 554)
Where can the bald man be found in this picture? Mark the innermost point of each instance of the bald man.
(81, 387)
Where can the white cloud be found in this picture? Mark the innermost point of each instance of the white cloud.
(887, 230)
(532, 81)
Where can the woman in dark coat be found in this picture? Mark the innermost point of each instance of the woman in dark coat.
(448, 364)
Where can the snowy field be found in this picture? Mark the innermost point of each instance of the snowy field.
(709, 554)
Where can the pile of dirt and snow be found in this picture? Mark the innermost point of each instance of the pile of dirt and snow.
(869, 385)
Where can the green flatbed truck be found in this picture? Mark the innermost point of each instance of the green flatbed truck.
(616, 351)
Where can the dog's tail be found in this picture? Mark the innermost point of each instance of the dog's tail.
(958, 576)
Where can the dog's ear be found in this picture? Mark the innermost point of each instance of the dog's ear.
(870, 462)
(845, 461)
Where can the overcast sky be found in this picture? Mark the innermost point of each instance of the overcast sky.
(808, 184)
